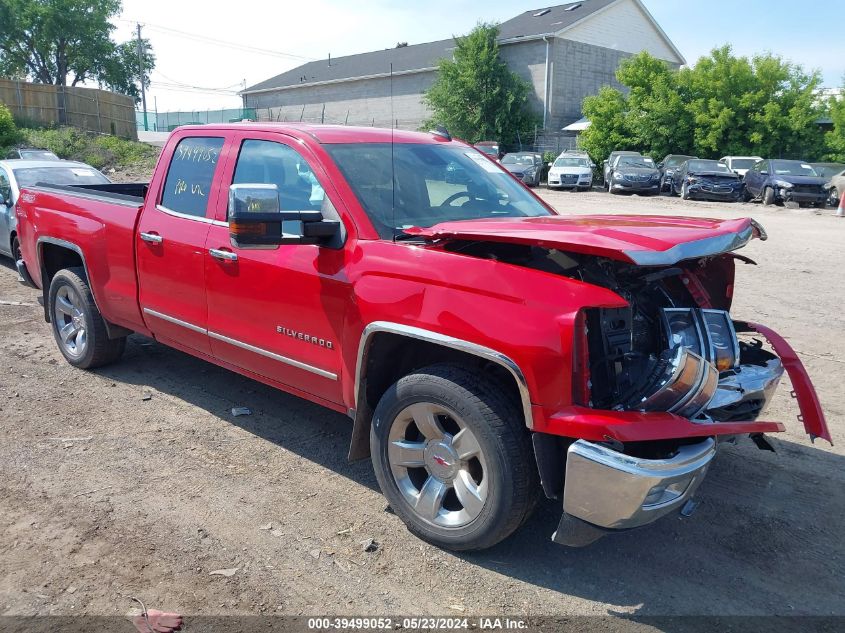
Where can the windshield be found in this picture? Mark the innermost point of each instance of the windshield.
(674, 161)
(697, 166)
(64, 175)
(488, 149)
(828, 170)
(635, 161)
(572, 162)
(37, 154)
(743, 163)
(518, 159)
(792, 168)
(433, 184)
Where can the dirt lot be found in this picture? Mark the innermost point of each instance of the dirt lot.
(137, 480)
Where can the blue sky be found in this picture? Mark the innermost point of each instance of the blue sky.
(804, 31)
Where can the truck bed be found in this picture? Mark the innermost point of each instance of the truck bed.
(96, 221)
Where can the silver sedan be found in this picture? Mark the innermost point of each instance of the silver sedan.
(17, 174)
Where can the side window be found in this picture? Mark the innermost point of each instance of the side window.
(5, 188)
(266, 162)
(189, 178)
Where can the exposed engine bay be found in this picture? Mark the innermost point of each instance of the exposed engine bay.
(673, 348)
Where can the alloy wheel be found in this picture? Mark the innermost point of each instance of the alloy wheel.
(70, 321)
(438, 465)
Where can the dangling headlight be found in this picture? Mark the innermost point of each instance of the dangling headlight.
(683, 330)
(708, 333)
(724, 347)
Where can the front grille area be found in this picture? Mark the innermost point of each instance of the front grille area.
(739, 412)
(816, 189)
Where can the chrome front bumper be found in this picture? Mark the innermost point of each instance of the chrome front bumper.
(608, 490)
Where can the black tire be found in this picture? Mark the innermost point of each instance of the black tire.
(96, 348)
(496, 423)
(16, 249)
(685, 192)
(834, 198)
(746, 195)
(768, 196)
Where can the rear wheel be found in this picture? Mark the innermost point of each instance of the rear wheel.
(768, 196)
(78, 326)
(452, 455)
(16, 249)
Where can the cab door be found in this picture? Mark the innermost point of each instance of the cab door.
(278, 312)
(170, 244)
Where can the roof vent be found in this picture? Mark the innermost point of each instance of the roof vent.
(542, 12)
(573, 7)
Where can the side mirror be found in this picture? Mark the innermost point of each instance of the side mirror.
(660, 165)
(256, 220)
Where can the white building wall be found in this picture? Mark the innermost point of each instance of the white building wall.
(623, 27)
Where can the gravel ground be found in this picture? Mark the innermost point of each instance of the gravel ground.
(136, 480)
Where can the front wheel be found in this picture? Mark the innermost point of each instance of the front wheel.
(453, 457)
(834, 198)
(78, 326)
(768, 196)
(685, 191)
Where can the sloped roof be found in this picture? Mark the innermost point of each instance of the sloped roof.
(404, 59)
(528, 25)
(549, 20)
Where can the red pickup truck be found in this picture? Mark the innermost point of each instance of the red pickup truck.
(486, 348)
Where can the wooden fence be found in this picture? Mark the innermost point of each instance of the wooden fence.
(85, 108)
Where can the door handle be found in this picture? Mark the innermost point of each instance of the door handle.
(152, 238)
(227, 256)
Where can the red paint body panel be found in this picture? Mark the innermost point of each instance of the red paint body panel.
(812, 415)
(603, 235)
(525, 314)
(634, 426)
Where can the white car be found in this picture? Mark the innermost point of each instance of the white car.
(571, 172)
(740, 164)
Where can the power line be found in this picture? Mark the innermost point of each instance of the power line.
(166, 87)
(218, 42)
(176, 82)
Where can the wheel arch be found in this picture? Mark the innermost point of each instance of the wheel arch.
(53, 255)
(412, 348)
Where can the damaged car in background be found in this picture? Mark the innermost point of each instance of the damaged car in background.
(707, 180)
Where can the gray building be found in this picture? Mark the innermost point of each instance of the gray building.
(565, 52)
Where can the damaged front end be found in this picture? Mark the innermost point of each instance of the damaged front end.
(657, 384)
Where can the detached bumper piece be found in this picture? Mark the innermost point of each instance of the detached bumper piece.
(606, 490)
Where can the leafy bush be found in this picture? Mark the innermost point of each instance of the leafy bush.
(549, 157)
(8, 129)
(99, 151)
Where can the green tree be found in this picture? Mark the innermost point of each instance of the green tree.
(68, 42)
(723, 105)
(8, 129)
(476, 96)
(835, 139)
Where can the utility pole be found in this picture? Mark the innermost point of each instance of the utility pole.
(141, 76)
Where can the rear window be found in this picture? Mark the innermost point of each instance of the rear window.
(82, 175)
(190, 176)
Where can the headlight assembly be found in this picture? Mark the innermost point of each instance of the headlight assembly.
(708, 333)
(782, 184)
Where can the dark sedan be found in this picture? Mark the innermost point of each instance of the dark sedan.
(668, 166)
(786, 181)
(526, 166)
(634, 174)
(707, 179)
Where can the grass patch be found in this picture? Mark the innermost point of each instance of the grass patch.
(98, 150)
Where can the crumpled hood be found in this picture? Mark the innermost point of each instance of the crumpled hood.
(638, 239)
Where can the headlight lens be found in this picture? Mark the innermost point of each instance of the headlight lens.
(683, 329)
(783, 184)
(723, 342)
